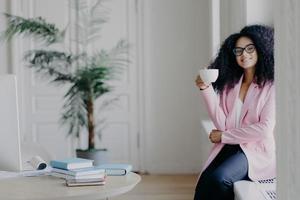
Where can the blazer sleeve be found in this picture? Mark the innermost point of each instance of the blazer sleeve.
(215, 111)
(257, 131)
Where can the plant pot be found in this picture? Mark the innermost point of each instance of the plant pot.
(100, 156)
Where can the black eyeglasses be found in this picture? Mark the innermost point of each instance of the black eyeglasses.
(238, 51)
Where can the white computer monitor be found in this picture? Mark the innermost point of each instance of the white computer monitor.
(10, 152)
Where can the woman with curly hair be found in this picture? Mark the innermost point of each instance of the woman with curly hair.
(241, 104)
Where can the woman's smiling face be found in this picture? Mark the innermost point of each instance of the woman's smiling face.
(245, 52)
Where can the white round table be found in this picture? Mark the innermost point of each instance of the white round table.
(53, 188)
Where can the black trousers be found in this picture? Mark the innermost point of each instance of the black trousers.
(216, 182)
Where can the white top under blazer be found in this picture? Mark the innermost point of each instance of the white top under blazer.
(238, 111)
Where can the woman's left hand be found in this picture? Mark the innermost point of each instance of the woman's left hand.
(215, 136)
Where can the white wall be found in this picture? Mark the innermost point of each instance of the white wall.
(287, 53)
(232, 16)
(215, 26)
(4, 49)
(177, 44)
(260, 11)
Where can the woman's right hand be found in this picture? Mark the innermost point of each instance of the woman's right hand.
(200, 84)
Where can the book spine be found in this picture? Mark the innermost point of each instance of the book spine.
(115, 172)
(79, 173)
(59, 165)
(59, 175)
(62, 171)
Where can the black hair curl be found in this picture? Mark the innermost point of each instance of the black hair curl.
(230, 72)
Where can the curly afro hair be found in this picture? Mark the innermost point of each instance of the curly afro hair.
(230, 72)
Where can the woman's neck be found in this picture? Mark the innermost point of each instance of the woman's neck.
(248, 75)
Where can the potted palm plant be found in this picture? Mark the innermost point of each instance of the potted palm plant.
(85, 73)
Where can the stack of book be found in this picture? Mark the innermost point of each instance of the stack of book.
(78, 172)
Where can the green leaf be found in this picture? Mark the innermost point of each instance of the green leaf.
(53, 64)
(36, 27)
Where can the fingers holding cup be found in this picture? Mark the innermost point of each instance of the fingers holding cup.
(199, 83)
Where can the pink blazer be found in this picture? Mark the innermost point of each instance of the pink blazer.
(255, 135)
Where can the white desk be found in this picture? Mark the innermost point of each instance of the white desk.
(52, 188)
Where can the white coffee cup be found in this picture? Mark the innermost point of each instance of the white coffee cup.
(209, 75)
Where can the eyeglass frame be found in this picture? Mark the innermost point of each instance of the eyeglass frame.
(243, 49)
